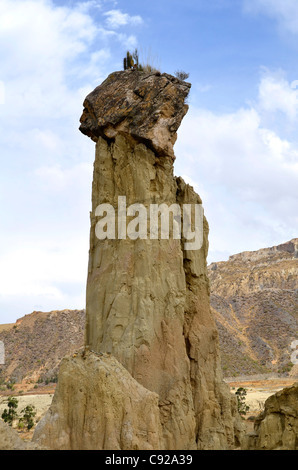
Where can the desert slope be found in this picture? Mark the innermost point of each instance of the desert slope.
(36, 343)
(255, 299)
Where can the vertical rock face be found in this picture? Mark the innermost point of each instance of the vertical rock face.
(148, 299)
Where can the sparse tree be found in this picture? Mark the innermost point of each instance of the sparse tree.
(128, 61)
(181, 75)
(135, 57)
(10, 414)
(241, 397)
(28, 415)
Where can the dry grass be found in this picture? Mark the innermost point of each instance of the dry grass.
(6, 326)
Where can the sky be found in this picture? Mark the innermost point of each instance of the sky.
(237, 146)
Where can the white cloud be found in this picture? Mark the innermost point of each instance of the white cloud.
(51, 58)
(247, 174)
(46, 275)
(285, 12)
(115, 19)
(2, 93)
(35, 35)
(45, 49)
(55, 178)
(277, 94)
(38, 57)
(39, 268)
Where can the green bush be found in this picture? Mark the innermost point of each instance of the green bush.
(10, 414)
(28, 415)
(241, 397)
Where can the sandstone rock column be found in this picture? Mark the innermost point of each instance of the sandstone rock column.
(149, 376)
(148, 300)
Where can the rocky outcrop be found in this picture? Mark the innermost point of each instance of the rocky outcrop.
(98, 405)
(276, 428)
(254, 271)
(10, 440)
(148, 297)
(146, 108)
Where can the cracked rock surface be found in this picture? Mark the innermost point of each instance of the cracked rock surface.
(149, 107)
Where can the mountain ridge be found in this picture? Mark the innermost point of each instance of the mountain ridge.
(254, 296)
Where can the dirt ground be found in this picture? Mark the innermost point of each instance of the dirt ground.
(41, 402)
(259, 390)
(257, 393)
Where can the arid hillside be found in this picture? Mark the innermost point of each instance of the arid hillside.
(36, 343)
(254, 296)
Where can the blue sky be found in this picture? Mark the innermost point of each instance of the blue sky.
(238, 144)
